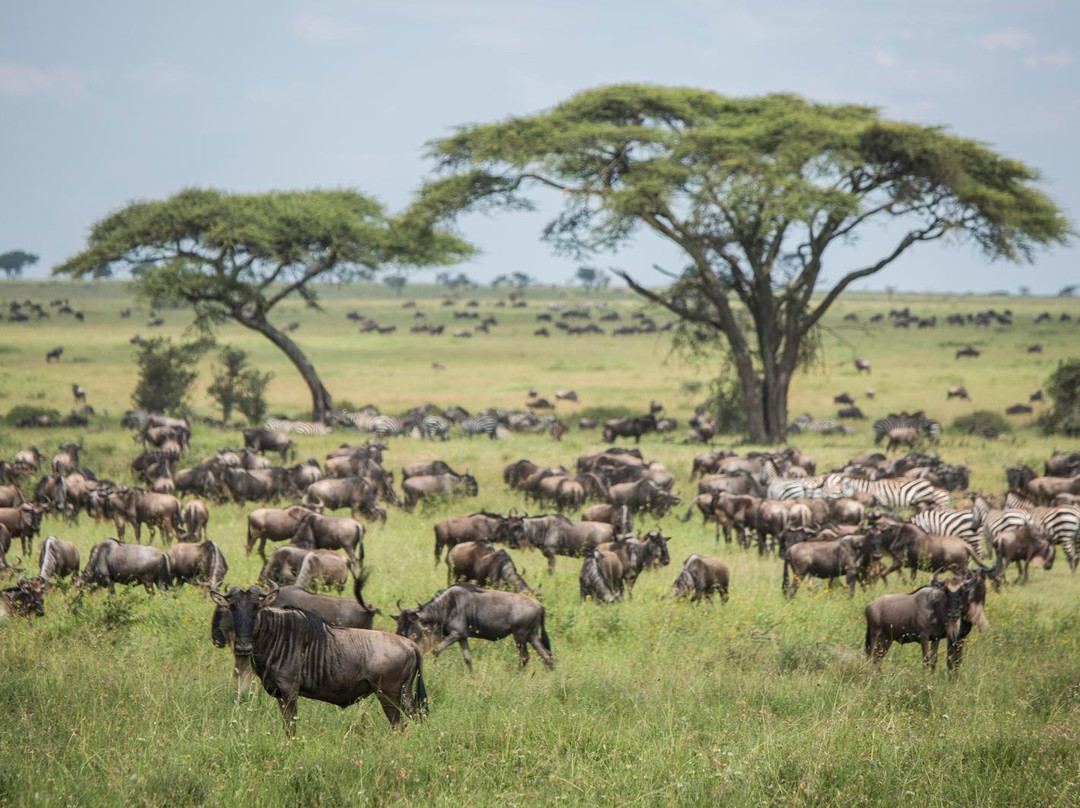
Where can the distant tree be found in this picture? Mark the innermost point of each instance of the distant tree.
(1067, 291)
(1063, 387)
(13, 263)
(236, 256)
(753, 192)
(1025, 291)
(590, 277)
(451, 281)
(396, 282)
(166, 374)
(238, 386)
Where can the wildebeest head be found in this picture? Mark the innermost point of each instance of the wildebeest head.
(511, 529)
(27, 597)
(411, 623)
(243, 607)
(471, 488)
(656, 549)
(956, 602)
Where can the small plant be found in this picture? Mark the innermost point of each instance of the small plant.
(237, 386)
(985, 423)
(27, 411)
(166, 374)
(1063, 387)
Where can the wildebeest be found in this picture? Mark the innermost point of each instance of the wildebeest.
(643, 495)
(323, 568)
(629, 427)
(137, 507)
(849, 556)
(196, 517)
(902, 436)
(844, 398)
(296, 653)
(600, 577)
(480, 562)
(850, 412)
(275, 524)
(318, 532)
(55, 353)
(1044, 489)
(253, 485)
(67, 460)
(417, 488)
(1019, 409)
(197, 563)
(25, 599)
(474, 527)
(464, 610)
(942, 609)
(22, 523)
(29, 457)
(618, 516)
(862, 365)
(355, 493)
(554, 534)
(1021, 545)
(957, 392)
(284, 565)
(263, 440)
(429, 469)
(58, 559)
(637, 554)
(112, 562)
(79, 393)
(700, 577)
(967, 351)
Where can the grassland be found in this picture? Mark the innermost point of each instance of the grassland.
(123, 700)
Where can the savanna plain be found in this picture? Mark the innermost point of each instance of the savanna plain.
(124, 700)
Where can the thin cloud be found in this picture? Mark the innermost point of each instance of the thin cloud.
(161, 79)
(21, 79)
(312, 30)
(1058, 58)
(1011, 38)
(885, 58)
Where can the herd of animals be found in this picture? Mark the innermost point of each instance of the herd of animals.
(865, 521)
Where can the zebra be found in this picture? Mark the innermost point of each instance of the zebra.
(949, 522)
(928, 427)
(779, 487)
(434, 426)
(481, 425)
(897, 492)
(1060, 525)
(387, 426)
(296, 427)
(992, 521)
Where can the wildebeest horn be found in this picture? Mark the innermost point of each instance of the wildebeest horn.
(399, 606)
(934, 580)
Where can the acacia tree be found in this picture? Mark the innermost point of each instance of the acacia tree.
(236, 256)
(753, 192)
(12, 263)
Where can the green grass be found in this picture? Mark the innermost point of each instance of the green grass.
(124, 700)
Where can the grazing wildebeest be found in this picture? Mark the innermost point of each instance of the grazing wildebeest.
(566, 395)
(475, 527)
(30, 457)
(957, 392)
(942, 609)
(283, 566)
(59, 558)
(862, 365)
(25, 599)
(629, 427)
(197, 563)
(196, 518)
(464, 610)
(317, 532)
(355, 493)
(644, 495)
(429, 469)
(111, 562)
(849, 556)
(619, 516)
(55, 353)
(902, 436)
(1021, 545)
(296, 653)
(275, 524)
(601, 577)
(850, 412)
(253, 485)
(325, 568)
(480, 562)
(1044, 489)
(967, 350)
(134, 506)
(263, 440)
(700, 577)
(417, 488)
(23, 523)
(1019, 409)
(554, 535)
(637, 554)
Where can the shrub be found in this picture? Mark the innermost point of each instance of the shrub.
(23, 411)
(727, 403)
(981, 422)
(603, 413)
(1063, 387)
(237, 386)
(166, 374)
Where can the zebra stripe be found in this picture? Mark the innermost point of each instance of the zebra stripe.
(778, 487)
(387, 426)
(1058, 526)
(481, 425)
(435, 426)
(919, 421)
(296, 427)
(898, 492)
(948, 522)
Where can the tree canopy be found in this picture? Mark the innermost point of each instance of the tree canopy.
(12, 263)
(236, 256)
(753, 191)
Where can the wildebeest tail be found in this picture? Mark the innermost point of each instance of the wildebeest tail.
(544, 641)
(166, 573)
(358, 587)
(689, 513)
(866, 642)
(420, 696)
(787, 566)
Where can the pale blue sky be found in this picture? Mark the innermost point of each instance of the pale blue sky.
(107, 101)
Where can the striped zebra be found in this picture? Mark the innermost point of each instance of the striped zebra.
(928, 427)
(950, 522)
(480, 425)
(779, 487)
(296, 427)
(898, 492)
(434, 426)
(1059, 526)
(992, 521)
(387, 426)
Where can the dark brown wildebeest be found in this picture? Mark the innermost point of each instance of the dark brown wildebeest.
(253, 485)
(946, 552)
(275, 524)
(1060, 464)
(588, 423)
(481, 563)
(296, 653)
(317, 532)
(850, 412)
(10, 496)
(967, 351)
(862, 365)
(355, 493)
(709, 462)
(67, 460)
(1021, 545)
(629, 427)
(957, 392)
(475, 527)
(619, 516)
(58, 559)
(300, 476)
(849, 556)
(198, 563)
(437, 485)
(323, 568)
(79, 394)
(601, 577)
(22, 523)
(112, 562)
(25, 599)
(196, 518)
(462, 611)
(700, 577)
(644, 495)
(335, 611)
(554, 535)
(1044, 489)
(134, 506)
(1019, 409)
(55, 353)
(844, 398)
(943, 609)
(515, 474)
(846, 511)
(429, 469)
(637, 554)
(283, 566)
(263, 440)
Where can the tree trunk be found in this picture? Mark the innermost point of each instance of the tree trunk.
(321, 403)
(766, 404)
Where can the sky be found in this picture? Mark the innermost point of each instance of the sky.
(102, 103)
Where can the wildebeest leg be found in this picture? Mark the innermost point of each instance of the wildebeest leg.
(930, 653)
(390, 707)
(466, 653)
(287, 703)
(954, 656)
(545, 655)
(551, 560)
(243, 673)
(523, 652)
(262, 547)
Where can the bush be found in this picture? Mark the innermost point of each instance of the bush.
(727, 403)
(1063, 387)
(166, 374)
(23, 411)
(603, 413)
(981, 422)
(237, 386)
